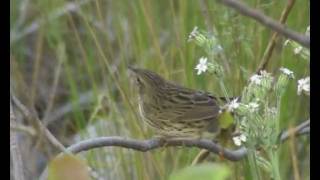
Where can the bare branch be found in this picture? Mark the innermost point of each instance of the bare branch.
(40, 127)
(272, 43)
(17, 166)
(303, 128)
(267, 21)
(151, 144)
(147, 145)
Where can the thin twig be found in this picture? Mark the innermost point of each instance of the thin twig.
(17, 166)
(202, 155)
(52, 94)
(21, 128)
(303, 128)
(267, 21)
(272, 43)
(42, 130)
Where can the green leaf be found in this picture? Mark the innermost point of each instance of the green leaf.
(204, 172)
(225, 119)
(69, 167)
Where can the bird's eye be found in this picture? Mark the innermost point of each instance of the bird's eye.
(138, 81)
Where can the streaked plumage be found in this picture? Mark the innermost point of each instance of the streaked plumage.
(173, 110)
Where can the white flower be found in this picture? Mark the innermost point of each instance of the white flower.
(286, 42)
(304, 85)
(264, 73)
(256, 79)
(297, 50)
(193, 33)
(287, 72)
(253, 106)
(239, 139)
(234, 104)
(202, 66)
(218, 48)
(308, 31)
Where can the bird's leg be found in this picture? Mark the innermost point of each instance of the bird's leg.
(221, 155)
(162, 140)
(200, 134)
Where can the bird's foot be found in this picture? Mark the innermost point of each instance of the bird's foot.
(221, 155)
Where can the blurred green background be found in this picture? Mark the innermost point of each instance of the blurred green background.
(68, 61)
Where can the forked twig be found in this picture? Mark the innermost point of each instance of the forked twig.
(272, 43)
(40, 127)
(267, 21)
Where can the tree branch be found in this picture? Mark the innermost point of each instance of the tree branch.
(303, 128)
(151, 144)
(17, 166)
(267, 21)
(273, 41)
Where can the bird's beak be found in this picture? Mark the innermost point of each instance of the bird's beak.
(132, 72)
(132, 69)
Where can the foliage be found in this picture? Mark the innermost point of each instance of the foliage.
(203, 171)
(68, 60)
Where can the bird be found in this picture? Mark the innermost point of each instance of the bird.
(173, 110)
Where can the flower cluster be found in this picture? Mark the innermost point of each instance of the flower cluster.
(239, 139)
(298, 49)
(258, 87)
(258, 116)
(287, 72)
(208, 42)
(283, 80)
(304, 86)
(212, 47)
(257, 110)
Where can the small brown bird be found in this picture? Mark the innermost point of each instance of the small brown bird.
(172, 110)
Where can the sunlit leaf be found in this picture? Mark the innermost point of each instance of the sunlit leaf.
(68, 167)
(225, 119)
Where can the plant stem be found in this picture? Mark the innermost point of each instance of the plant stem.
(223, 88)
(273, 155)
(253, 165)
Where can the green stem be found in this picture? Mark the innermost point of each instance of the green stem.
(253, 165)
(278, 115)
(224, 89)
(273, 155)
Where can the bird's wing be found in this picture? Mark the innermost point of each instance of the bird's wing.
(189, 105)
(204, 107)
